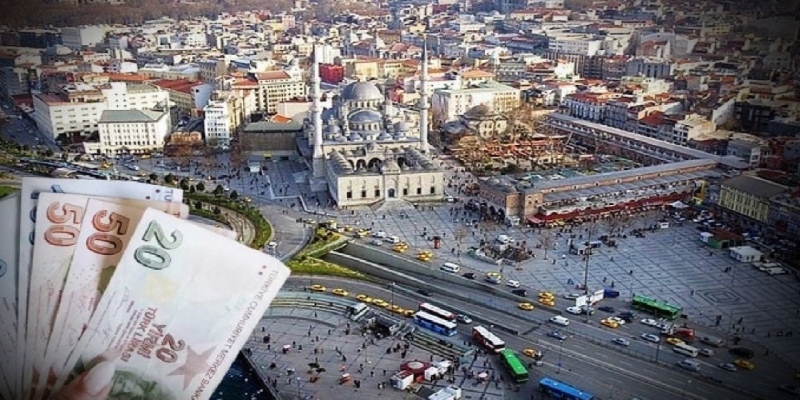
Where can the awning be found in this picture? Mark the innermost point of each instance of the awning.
(535, 220)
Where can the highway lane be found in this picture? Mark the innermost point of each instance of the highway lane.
(593, 368)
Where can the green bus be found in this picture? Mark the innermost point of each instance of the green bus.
(515, 366)
(655, 307)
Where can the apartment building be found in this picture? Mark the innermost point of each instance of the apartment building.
(448, 104)
(130, 132)
(588, 106)
(275, 87)
(223, 115)
(581, 46)
(749, 196)
(76, 108)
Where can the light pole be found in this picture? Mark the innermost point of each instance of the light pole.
(658, 349)
(560, 350)
(392, 300)
(298, 387)
(589, 252)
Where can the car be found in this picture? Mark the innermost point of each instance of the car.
(379, 234)
(376, 242)
(464, 318)
(424, 292)
(650, 337)
(470, 275)
(744, 364)
(395, 308)
(618, 320)
(340, 292)
(607, 309)
(364, 298)
(512, 283)
(572, 296)
(520, 292)
(727, 366)
(609, 323)
(621, 341)
(587, 310)
(674, 341)
(663, 326)
(627, 314)
(624, 318)
(409, 313)
(793, 389)
(525, 306)
(689, 365)
(547, 302)
(574, 310)
(317, 288)
(706, 352)
(392, 240)
(379, 302)
(742, 352)
(649, 322)
(532, 353)
(558, 335)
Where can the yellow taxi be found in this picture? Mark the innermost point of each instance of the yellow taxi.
(363, 297)
(400, 247)
(395, 308)
(532, 353)
(426, 253)
(340, 292)
(317, 288)
(525, 306)
(348, 228)
(744, 364)
(674, 341)
(379, 303)
(409, 313)
(547, 302)
(609, 323)
(546, 295)
(424, 257)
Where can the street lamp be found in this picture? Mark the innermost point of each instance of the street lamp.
(298, 387)
(392, 300)
(560, 350)
(658, 349)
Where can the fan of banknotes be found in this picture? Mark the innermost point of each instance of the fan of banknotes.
(113, 271)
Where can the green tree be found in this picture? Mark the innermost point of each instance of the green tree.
(198, 205)
(219, 190)
(201, 187)
(234, 195)
(170, 178)
(217, 210)
(192, 189)
(153, 177)
(48, 153)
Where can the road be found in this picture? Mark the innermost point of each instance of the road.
(23, 130)
(598, 369)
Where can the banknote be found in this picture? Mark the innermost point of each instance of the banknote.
(29, 194)
(105, 230)
(175, 314)
(9, 234)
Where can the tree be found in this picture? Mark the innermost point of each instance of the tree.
(234, 195)
(201, 187)
(219, 190)
(217, 211)
(48, 153)
(153, 177)
(184, 184)
(198, 205)
(192, 189)
(170, 178)
(546, 241)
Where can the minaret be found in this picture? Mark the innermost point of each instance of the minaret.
(423, 99)
(318, 162)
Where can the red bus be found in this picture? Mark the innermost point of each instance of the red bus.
(488, 339)
(436, 311)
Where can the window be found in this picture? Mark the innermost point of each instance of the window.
(419, 191)
(363, 194)
(405, 192)
(433, 189)
(349, 194)
(377, 193)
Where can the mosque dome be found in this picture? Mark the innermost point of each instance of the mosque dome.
(365, 117)
(402, 126)
(333, 129)
(361, 91)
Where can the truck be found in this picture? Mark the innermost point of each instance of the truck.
(681, 332)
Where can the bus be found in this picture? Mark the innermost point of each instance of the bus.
(488, 339)
(518, 371)
(655, 307)
(441, 313)
(435, 323)
(685, 349)
(560, 390)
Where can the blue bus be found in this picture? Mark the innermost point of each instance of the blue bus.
(435, 323)
(560, 390)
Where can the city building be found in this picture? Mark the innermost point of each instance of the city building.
(367, 150)
(749, 196)
(448, 104)
(130, 132)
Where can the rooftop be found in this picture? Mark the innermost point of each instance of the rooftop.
(754, 186)
(129, 116)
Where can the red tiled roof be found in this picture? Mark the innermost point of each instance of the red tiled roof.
(271, 75)
(177, 85)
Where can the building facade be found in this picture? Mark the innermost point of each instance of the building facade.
(130, 132)
(448, 104)
(749, 196)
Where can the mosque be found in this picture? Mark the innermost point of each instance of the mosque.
(364, 150)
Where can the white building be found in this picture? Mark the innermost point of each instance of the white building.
(448, 104)
(78, 37)
(218, 126)
(130, 131)
(587, 47)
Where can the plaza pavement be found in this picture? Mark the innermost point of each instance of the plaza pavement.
(306, 330)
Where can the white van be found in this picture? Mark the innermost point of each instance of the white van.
(450, 267)
(689, 364)
(685, 349)
(559, 320)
